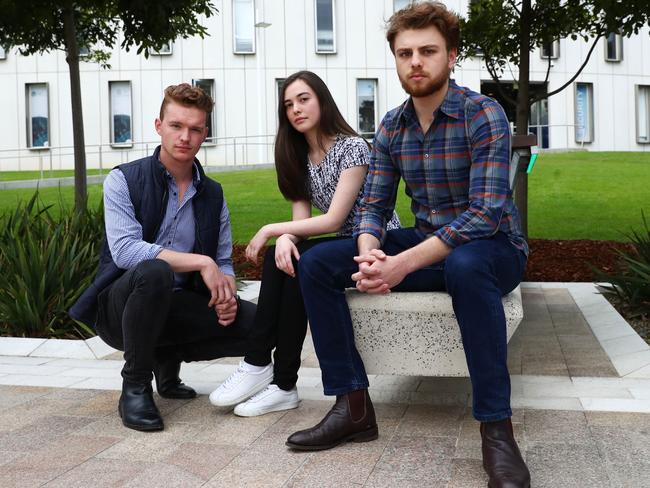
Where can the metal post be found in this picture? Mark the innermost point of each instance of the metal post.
(523, 144)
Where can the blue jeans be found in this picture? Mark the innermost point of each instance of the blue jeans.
(476, 275)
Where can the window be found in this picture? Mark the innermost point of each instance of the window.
(613, 47)
(643, 114)
(208, 87)
(243, 12)
(279, 83)
(325, 26)
(584, 112)
(367, 107)
(538, 122)
(121, 120)
(400, 4)
(3, 54)
(165, 50)
(550, 50)
(38, 115)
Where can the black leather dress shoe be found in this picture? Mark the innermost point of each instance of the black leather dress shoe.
(168, 383)
(137, 408)
(502, 459)
(352, 418)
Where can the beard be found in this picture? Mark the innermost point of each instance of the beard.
(429, 86)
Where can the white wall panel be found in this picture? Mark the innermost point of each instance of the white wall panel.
(245, 91)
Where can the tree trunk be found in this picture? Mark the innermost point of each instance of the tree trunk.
(72, 58)
(523, 108)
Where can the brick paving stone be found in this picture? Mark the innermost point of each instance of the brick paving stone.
(561, 427)
(203, 460)
(99, 473)
(415, 459)
(567, 465)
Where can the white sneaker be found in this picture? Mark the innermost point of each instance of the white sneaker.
(271, 399)
(241, 385)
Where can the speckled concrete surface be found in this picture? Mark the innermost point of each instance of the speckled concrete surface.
(581, 415)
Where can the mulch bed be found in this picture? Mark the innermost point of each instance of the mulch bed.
(550, 260)
(576, 260)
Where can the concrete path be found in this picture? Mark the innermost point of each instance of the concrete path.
(580, 390)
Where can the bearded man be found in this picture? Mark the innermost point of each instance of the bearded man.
(452, 148)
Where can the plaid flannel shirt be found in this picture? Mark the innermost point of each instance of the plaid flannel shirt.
(456, 174)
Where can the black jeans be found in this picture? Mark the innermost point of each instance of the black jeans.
(142, 315)
(281, 320)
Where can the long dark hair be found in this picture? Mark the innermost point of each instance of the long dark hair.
(291, 147)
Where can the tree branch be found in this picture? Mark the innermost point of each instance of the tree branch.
(548, 68)
(503, 94)
(513, 4)
(558, 90)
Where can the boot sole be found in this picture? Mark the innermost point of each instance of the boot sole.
(365, 436)
(141, 428)
(176, 397)
(492, 486)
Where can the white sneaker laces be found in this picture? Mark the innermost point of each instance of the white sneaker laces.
(233, 379)
(260, 394)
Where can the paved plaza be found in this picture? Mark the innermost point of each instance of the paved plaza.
(580, 392)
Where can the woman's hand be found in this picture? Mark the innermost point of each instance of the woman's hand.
(258, 241)
(284, 250)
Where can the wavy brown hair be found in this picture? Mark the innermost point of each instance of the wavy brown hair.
(422, 15)
(291, 147)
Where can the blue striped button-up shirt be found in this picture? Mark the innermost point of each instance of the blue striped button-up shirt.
(456, 173)
(124, 232)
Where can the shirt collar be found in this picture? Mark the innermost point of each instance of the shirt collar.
(451, 105)
(196, 177)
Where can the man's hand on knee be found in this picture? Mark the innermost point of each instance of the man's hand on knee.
(218, 283)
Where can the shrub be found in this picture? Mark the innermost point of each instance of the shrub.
(630, 283)
(46, 263)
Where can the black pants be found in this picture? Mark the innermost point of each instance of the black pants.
(280, 320)
(142, 315)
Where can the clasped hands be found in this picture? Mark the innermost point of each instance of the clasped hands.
(378, 273)
(223, 295)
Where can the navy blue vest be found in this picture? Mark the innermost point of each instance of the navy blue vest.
(148, 190)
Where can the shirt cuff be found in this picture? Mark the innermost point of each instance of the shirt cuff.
(449, 236)
(377, 232)
(227, 269)
(153, 252)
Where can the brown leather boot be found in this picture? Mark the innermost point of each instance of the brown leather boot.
(502, 460)
(352, 418)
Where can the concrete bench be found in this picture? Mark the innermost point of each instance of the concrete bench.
(415, 333)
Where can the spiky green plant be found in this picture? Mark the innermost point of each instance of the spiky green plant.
(46, 263)
(630, 283)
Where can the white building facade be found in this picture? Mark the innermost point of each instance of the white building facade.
(254, 44)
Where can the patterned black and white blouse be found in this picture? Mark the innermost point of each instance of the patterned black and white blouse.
(345, 153)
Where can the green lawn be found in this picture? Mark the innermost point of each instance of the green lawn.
(583, 195)
(35, 175)
(576, 195)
